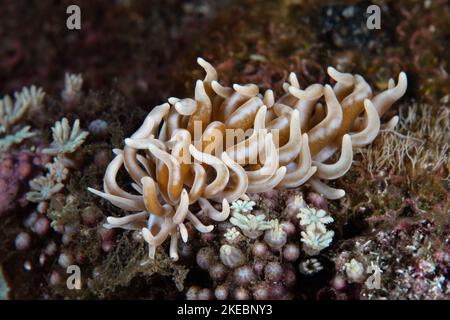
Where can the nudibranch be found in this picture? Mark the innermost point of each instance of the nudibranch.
(214, 148)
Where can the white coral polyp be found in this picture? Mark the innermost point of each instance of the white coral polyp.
(311, 218)
(315, 240)
(242, 206)
(275, 237)
(232, 235)
(73, 84)
(354, 271)
(32, 95)
(252, 226)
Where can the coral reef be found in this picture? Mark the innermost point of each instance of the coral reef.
(261, 265)
(387, 238)
(413, 263)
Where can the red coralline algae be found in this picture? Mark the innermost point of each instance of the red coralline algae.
(15, 172)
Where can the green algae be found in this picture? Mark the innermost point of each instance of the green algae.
(127, 261)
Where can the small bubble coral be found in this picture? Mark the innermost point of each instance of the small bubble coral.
(231, 256)
(314, 219)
